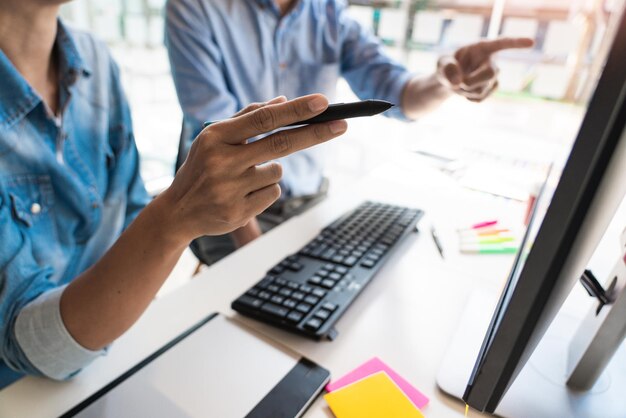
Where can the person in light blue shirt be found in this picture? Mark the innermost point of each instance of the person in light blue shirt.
(226, 53)
(83, 249)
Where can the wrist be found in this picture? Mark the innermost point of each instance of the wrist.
(246, 233)
(423, 94)
(160, 217)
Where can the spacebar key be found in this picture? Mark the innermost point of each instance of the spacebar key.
(274, 310)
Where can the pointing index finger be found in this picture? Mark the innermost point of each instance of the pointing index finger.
(491, 47)
(271, 117)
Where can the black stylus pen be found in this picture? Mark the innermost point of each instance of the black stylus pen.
(340, 111)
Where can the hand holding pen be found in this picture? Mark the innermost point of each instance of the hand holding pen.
(340, 111)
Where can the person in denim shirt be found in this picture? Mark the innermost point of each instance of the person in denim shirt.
(83, 250)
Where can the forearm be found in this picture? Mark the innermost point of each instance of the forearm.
(106, 300)
(422, 95)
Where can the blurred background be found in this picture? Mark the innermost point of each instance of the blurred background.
(501, 146)
(535, 114)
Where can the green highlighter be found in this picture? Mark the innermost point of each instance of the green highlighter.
(489, 249)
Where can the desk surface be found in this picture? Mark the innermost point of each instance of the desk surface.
(406, 316)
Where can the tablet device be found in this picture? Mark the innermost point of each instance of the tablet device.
(218, 368)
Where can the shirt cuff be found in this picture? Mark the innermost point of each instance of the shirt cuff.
(42, 336)
(395, 96)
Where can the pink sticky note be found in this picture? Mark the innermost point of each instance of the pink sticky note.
(376, 365)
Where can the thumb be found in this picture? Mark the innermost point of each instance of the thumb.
(449, 71)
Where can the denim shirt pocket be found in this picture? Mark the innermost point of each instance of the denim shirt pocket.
(32, 200)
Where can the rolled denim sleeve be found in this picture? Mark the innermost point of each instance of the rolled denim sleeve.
(33, 338)
(371, 73)
(42, 336)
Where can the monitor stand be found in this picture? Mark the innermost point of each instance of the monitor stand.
(539, 390)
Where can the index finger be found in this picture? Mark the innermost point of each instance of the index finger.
(491, 47)
(270, 117)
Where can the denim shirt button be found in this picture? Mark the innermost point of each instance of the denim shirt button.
(35, 208)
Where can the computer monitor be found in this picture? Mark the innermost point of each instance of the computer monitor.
(571, 215)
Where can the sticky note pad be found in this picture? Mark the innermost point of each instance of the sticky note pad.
(376, 365)
(375, 396)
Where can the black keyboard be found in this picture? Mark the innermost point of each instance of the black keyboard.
(308, 292)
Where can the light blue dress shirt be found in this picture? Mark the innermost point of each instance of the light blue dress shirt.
(69, 185)
(226, 54)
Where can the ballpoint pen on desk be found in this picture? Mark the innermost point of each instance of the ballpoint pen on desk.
(433, 233)
(340, 111)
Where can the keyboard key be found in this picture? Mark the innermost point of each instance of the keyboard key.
(373, 257)
(327, 283)
(293, 285)
(368, 263)
(295, 316)
(274, 310)
(329, 266)
(341, 269)
(268, 280)
(295, 266)
(334, 276)
(304, 308)
(253, 292)
(280, 281)
(338, 258)
(318, 251)
(319, 293)
(297, 295)
(250, 301)
(315, 280)
(322, 273)
(328, 254)
(306, 288)
(277, 299)
(313, 324)
(322, 314)
(350, 261)
(329, 306)
(285, 292)
(273, 288)
(312, 299)
(290, 303)
(277, 270)
(264, 295)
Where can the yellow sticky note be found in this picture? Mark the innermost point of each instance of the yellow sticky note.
(375, 396)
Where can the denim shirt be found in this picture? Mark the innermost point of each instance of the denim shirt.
(226, 54)
(69, 185)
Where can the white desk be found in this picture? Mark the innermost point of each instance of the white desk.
(406, 316)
